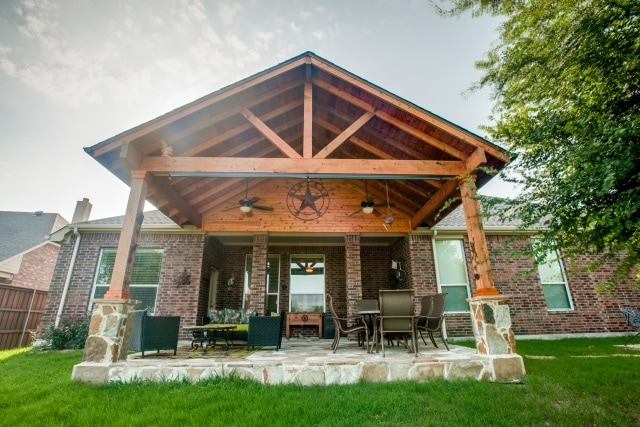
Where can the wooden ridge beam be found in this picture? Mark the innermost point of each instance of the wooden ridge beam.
(352, 167)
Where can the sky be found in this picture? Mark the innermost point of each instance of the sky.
(76, 72)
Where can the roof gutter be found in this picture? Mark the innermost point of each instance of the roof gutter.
(67, 281)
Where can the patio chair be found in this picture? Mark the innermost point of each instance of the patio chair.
(343, 326)
(396, 316)
(632, 315)
(431, 317)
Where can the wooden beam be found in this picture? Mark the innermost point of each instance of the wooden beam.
(476, 159)
(280, 143)
(477, 239)
(391, 120)
(357, 141)
(228, 113)
(429, 208)
(163, 187)
(307, 134)
(346, 134)
(275, 166)
(195, 106)
(128, 241)
(439, 123)
(128, 159)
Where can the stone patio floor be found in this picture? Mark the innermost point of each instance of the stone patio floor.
(310, 361)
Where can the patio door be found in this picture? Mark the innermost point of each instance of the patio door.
(307, 283)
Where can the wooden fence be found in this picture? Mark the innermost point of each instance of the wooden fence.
(20, 313)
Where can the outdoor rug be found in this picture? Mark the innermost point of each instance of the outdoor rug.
(185, 352)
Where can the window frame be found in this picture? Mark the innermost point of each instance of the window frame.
(248, 260)
(324, 280)
(550, 257)
(133, 285)
(441, 287)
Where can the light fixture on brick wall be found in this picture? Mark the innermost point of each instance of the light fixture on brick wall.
(182, 278)
(231, 281)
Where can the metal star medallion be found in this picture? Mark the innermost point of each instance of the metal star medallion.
(308, 200)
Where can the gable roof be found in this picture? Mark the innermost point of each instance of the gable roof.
(305, 117)
(21, 231)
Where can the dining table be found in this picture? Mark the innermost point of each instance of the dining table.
(369, 317)
(207, 335)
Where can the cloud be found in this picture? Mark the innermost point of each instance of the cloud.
(228, 11)
(296, 28)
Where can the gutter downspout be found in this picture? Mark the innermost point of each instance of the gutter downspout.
(67, 281)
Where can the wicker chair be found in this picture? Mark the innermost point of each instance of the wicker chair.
(431, 317)
(153, 332)
(265, 331)
(632, 315)
(342, 326)
(396, 316)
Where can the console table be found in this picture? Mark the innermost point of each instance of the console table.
(304, 319)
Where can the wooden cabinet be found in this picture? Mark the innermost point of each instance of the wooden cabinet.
(304, 319)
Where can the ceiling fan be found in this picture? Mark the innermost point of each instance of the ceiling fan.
(248, 204)
(368, 206)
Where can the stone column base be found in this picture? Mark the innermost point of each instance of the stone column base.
(492, 325)
(109, 331)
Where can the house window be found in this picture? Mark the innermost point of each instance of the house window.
(554, 281)
(273, 281)
(451, 272)
(144, 278)
(307, 283)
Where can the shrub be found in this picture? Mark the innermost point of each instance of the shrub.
(71, 333)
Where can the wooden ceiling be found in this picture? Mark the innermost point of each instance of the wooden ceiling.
(303, 118)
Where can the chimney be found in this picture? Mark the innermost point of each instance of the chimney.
(83, 209)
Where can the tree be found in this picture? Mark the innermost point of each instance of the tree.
(565, 79)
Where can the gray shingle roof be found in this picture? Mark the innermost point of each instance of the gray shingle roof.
(489, 219)
(20, 231)
(151, 218)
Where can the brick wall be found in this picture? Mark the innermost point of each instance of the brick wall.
(36, 269)
(512, 273)
(180, 251)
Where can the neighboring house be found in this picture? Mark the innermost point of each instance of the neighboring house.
(27, 261)
(551, 299)
(27, 257)
(301, 181)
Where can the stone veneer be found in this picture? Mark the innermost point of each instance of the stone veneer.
(495, 340)
(109, 331)
(315, 366)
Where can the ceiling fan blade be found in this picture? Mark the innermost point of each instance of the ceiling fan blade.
(263, 208)
(376, 212)
(254, 200)
(356, 212)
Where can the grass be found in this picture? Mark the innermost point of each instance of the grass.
(587, 382)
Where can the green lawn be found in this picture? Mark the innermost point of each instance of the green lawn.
(588, 382)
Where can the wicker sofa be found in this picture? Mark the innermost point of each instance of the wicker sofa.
(255, 330)
(153, 332)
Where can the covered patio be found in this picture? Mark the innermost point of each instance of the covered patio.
(300, 154)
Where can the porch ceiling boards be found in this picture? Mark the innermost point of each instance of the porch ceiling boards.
(305, 117)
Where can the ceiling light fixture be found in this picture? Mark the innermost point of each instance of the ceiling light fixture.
(367, 206)
(309, 269)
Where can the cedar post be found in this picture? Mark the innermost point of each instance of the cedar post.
(477, 238)
(126, 254)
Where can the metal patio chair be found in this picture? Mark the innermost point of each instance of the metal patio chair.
(346, 325)
(431, 317)
(396, 316)
(632, 315)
